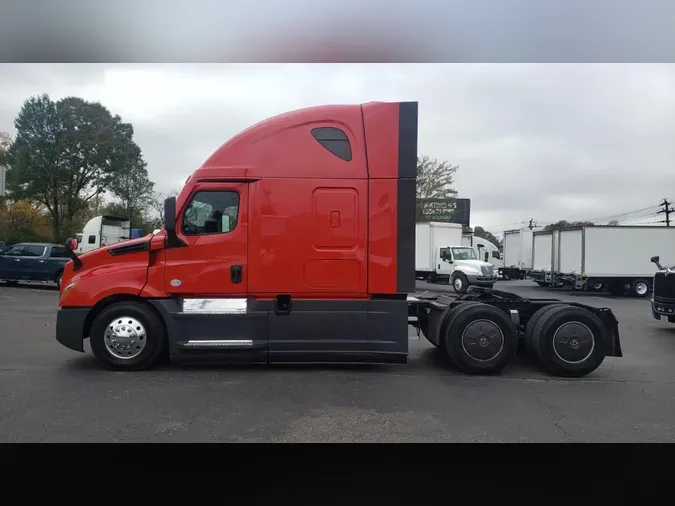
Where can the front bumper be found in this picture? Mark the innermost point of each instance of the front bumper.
(660, 309)
(481, 280)
(70, 327)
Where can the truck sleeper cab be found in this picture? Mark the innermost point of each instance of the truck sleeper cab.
(295, 242)
(663, 295)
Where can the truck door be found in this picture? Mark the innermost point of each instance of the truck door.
(213, 224)
(444, 264)
(10, 262)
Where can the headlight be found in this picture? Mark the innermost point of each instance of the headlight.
(67, 289)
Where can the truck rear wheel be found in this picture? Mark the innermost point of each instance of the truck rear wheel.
(460, 283)
(128, 336)
(529, 328)
(567, 341)
(639, 288)
(480, 339)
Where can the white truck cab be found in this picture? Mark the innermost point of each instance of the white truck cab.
(440, 254)
(102, 231)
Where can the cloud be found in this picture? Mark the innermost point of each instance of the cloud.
(550, 142)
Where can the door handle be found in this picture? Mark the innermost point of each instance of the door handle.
(236, 273)
(41, 261)
(17, 260)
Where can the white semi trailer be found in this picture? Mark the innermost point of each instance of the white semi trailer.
(440, 255)
(617, 258)
(543, 259)
(517, 252)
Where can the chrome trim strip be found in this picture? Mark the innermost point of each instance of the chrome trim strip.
(224, 342)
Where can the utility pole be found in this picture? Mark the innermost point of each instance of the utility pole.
(666, 210)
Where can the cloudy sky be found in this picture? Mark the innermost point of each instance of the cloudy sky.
(549, 142)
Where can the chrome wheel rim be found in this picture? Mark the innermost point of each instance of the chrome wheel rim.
(458, 284)
(573, 342)
(482, 340)
(641, 288)
(125, 337)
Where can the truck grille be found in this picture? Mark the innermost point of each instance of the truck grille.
(487, 270)
(664, 287)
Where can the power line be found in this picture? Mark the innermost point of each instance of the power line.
(666, 210)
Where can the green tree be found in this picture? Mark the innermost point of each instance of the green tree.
(564, 224)
(66, 153)
(435, 193)
(484, 234)
(130, 182)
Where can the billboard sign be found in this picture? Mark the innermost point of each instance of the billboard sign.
(446, 210)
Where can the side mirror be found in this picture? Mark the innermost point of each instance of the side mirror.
(71, 246)
(655, 260)
(170, 221)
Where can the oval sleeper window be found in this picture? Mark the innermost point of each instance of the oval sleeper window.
(335, 141)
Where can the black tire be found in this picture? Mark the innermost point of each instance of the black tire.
(57, 279)
(541, 283)
(640, 288)
(459, 278)
(11, 283)
(588, 332)
(484, 322)
(155, 336)
(529, 328)
(594, 287)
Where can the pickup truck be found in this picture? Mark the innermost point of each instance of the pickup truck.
(33, 262)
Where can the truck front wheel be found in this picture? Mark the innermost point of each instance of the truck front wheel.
(480, 339)
(128, 336)
(460, 283)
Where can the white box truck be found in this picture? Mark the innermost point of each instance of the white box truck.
(517, 252)
(102, 231)
(440, 255)
(617, 258)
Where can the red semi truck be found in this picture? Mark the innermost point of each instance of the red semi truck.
(295, 242)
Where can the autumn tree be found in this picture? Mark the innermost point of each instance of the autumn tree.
(65, 154)
(22, 221)
(435, 192)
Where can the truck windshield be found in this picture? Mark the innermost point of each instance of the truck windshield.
(463, 253)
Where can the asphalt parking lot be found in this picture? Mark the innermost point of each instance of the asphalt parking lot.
(51, 394)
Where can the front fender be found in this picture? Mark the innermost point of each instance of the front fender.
(87, 288)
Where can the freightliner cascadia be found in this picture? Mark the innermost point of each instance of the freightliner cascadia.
(295, 242)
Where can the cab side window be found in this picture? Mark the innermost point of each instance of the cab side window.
(495, 254)
(58, 252)
(335, 141)
(211, 212)
(14, 251)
